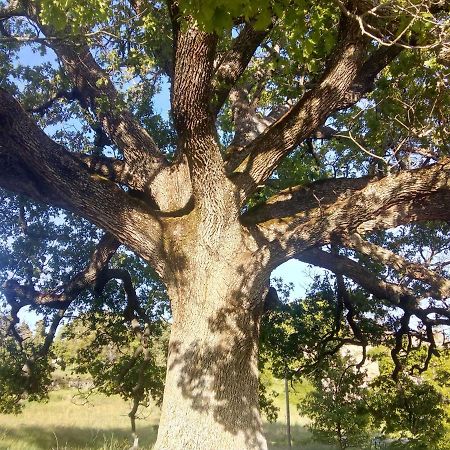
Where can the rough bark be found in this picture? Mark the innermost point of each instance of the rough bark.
(53, 175)
(267, 150)
(211, 391)
(217, 285)
(304, 217)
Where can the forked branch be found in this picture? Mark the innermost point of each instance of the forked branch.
(234, 62)
(268, 149)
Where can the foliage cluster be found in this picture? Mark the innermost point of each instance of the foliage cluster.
(355, 396)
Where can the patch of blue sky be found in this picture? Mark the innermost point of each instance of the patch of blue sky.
(299, 274)
(31, 55)
(161, 100)
(29, 316)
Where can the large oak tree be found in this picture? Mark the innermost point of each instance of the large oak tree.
(293, 126)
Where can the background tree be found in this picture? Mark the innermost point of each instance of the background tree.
(337, 406)
(293, 126)
(358, 391)
(411, 407)
(119, 359)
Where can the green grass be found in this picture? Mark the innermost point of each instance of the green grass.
(64, 423)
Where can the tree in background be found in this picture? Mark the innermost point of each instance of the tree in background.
(348, 408)
(337, 405)
(15, 368)
(123, 353)
(119, 359)
(293, 126)
(359, 392)
(411, 407)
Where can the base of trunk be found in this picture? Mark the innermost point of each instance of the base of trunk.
(200, 431)
(211, 399)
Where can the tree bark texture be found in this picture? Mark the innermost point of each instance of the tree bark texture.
(216, 285)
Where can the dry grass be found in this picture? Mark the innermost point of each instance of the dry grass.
(65, 424)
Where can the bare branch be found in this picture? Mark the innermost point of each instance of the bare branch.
(19, 296)
(395, 352)
(390, 11)
(351, 315)
(67, 95)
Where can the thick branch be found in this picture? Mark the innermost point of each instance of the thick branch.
(415, 195)
(113, 169)
(67, 95)
(266, 151)
(297, 199)
(235, 61)
(336, 90)
(139, 149)
(440, 284)
(193, 119)
(35, 165)
(364, 81)
(253, 124)
(194, 57)
(249, 123)
(353, 270)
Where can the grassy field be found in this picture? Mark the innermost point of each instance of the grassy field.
(64, 423)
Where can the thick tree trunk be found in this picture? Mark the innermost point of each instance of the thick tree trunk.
(211, 392)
